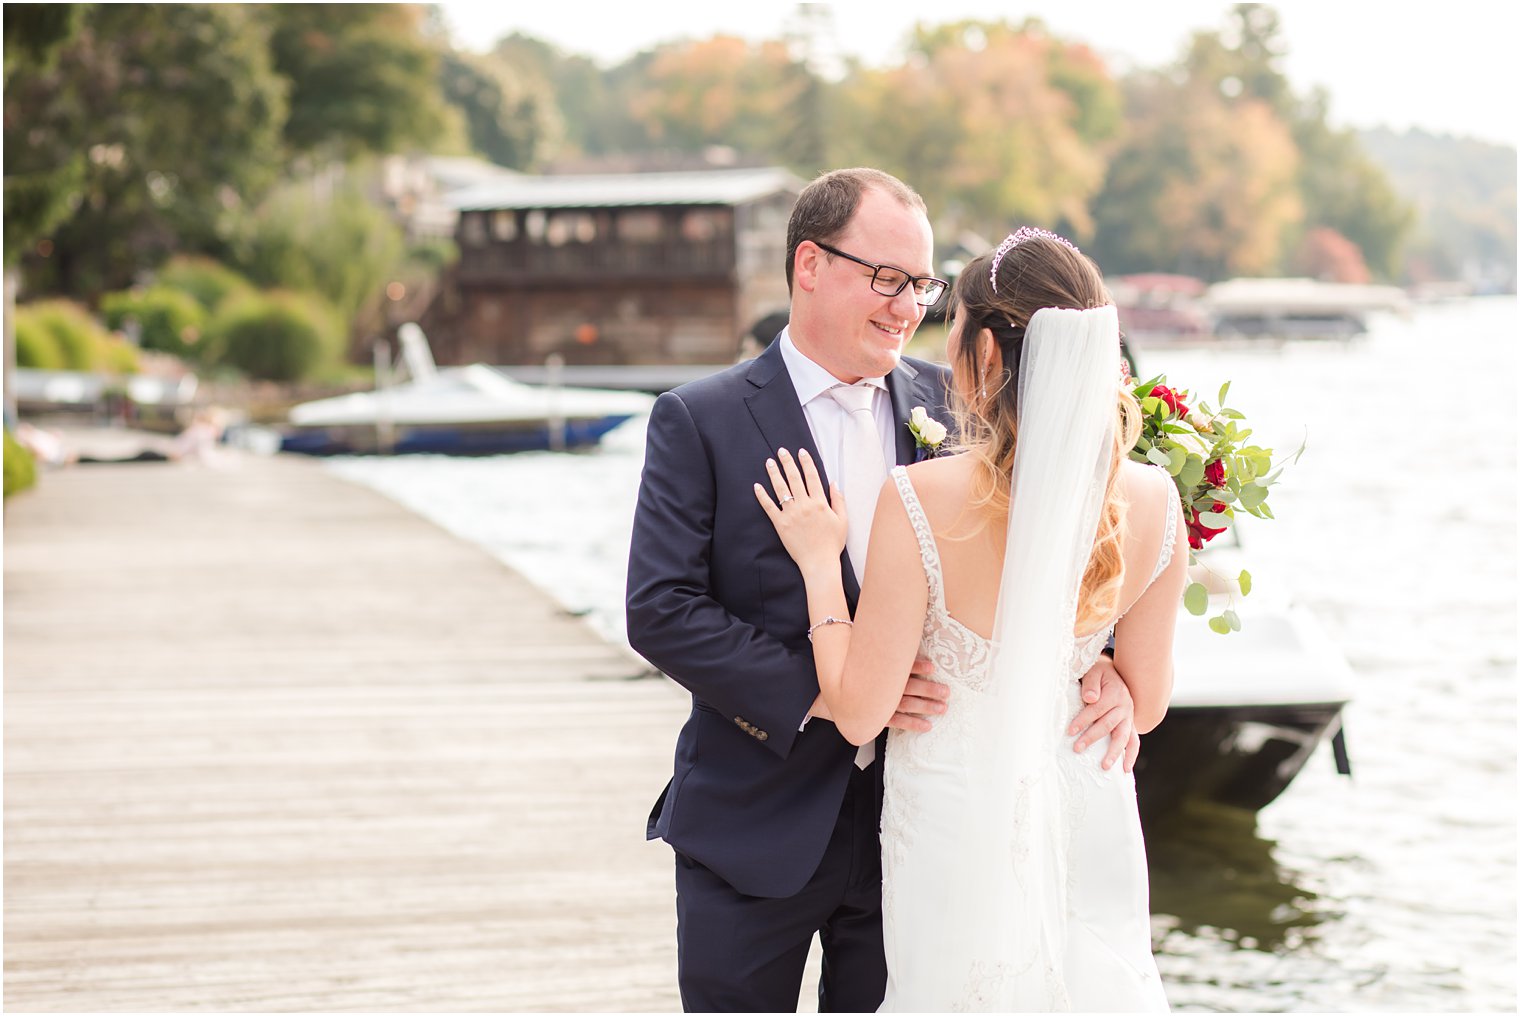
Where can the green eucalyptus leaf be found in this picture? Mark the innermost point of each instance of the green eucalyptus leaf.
(1215, 520)
(1220, 625)
(1224, 390)
(1159, 457)
(1232, 619)
(1252, 496)
(1192, 471)
(1266, 512)
(1176, 459)
(1196, 599)
(1223, 495)
(1245, 582)
(1150, 404)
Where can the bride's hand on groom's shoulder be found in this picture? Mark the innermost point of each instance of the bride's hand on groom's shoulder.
(812, 526)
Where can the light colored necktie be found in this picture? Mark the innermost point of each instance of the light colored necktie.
(863, 470)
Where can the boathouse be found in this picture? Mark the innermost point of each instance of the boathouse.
(636, 268)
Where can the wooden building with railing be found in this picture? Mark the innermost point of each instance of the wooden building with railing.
(638, 268)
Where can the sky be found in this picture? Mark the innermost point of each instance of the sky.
(1451, 67)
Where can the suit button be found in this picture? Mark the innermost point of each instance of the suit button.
(762, 735)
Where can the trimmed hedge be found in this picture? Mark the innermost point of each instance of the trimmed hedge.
(277, 336)
(169, 320)
(35, 345)
(208, 282)
(60, 335)
(20, 467)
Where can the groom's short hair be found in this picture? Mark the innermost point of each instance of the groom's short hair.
(825, 207)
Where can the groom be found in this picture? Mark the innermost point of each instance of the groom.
(773, 815)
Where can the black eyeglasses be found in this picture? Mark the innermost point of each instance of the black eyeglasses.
(889, 281)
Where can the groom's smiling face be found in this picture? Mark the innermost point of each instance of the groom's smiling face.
(847, 327)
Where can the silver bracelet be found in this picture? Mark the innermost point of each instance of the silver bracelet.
(831, 619)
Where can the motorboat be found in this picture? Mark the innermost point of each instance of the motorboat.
(1248, 710)
(1298, 308)
(474, 410)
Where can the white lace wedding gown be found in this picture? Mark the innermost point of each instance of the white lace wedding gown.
(944, 886)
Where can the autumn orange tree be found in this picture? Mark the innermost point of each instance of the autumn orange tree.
(723, 91)
(994, 123)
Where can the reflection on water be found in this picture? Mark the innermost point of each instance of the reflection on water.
(1390, 891)
(1212, 872)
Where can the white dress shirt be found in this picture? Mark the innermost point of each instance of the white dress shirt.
(827, 421)
(826, 418)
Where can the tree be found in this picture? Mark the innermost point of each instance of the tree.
(38, 192)
(508, 116)
(362, 77)
(720, 91)
(132, 92)
(1204, 185)
(990, 122)
(1330, 257)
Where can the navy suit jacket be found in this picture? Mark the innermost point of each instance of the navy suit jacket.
(715, 602)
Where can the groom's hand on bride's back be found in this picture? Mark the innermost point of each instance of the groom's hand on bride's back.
(922, 700)
(1108, 709)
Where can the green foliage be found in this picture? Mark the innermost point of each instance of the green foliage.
(39, 193)
(361, 77)
(208, 282)
(509, 117)
(20, 466)
(60, 335)
(76, 335)
(341, 247)
(1217, 474)
(35, 346)
(166, 319)
(172, 113)
(278, 336)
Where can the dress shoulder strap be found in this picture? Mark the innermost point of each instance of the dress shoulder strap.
(927, 549)
(1173, 506)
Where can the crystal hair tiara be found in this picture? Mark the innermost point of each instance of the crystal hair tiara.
(1017, 237)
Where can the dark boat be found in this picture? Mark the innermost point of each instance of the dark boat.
(1248, 711)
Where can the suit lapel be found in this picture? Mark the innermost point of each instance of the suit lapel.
(907, 388)
(783, 424)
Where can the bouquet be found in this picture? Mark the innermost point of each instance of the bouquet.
(1218, 474)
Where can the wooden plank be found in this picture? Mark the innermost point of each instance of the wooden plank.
(272, 743)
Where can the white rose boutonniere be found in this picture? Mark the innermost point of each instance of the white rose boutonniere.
(928, 433)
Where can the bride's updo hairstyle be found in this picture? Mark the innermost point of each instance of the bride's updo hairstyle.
(1038, 272)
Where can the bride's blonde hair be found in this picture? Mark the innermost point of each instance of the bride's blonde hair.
(1033, 274)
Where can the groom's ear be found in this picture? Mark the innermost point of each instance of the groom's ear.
(805, 266)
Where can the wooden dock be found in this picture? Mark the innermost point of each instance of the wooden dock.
(273, 743)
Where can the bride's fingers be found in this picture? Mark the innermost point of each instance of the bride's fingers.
(836, 500)
(810, 473)
(767, 505)
(793, 475)
(778, 482)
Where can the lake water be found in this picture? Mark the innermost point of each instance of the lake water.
(1393, 890)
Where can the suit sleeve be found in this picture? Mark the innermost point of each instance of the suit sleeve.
(674, 621)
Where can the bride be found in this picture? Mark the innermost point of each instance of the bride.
(1013, 866)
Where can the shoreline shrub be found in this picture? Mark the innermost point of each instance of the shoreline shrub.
(20, 466)
(207, 281)
(277, 336)
(168, 320)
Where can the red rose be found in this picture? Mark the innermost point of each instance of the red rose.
(1168, 396)
(1214, 473)
(1198, 533)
